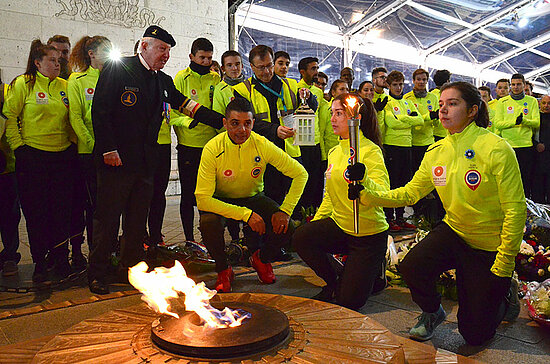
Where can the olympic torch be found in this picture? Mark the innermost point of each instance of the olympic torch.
(352, 107)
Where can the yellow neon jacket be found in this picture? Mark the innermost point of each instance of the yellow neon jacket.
(330, 140)
(508, 109)
(223, 94)
(492, 108)
(319, 95)
(399, 122)
(4, 146)
(199, 88)
(81, 89)
(336, 204)
(380, 115)
(43, 112)
(165, 133)
(236, 171)
(477, 177)
(439, 130)
(424, 135)
(261, 107)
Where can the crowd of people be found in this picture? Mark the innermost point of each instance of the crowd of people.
(86, 144)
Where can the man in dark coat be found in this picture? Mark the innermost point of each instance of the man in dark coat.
(131, 98)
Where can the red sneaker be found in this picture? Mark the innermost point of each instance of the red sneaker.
(406, 226)
(264, 270)
(394, 226)
(225, 278)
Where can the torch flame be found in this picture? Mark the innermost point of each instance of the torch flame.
(352, 106)
(163, 284)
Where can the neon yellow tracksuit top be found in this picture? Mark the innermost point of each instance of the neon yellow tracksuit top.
(81, 89)
(380, 115)
(229, 170)
(399, 122)
(477, 177)
(223, 94)
(492, 108)
(43, 111)
(508, 109)
(336, 204)
(4, 146)
(439, 130)
(261, 107)
(200, 89)
(330, 140)
(319, 95)
(423, 135)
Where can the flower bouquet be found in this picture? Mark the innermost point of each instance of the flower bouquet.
(538, 302)
(533, 262)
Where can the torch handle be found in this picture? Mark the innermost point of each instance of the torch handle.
(353, 125)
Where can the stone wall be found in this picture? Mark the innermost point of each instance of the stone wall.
(122, 21)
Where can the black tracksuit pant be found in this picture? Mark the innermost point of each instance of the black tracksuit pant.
(481, 294)
(158, 201)
(366, 255)
(189, 159)
(10, 215)
(398, 162)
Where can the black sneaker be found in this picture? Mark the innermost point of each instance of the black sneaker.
(326, 294)
(40, 274)
(78, 261)
(61, 270)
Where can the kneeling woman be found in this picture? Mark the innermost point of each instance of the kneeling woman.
(477, 177)
(332, 230)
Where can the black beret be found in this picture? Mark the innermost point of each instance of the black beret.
(154, 31)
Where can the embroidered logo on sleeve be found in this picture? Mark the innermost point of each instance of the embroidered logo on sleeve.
(473, 179)
(510, 110)
(439, 175)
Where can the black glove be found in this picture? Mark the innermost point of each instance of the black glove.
(434, 115)
(414, 113)
(354, 191)
(356, 172)
(380, 104)
(519, 119)
(206, 116)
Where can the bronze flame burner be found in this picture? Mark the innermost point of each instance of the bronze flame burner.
(187, 336)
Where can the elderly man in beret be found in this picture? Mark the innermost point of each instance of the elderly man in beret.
(131, 99)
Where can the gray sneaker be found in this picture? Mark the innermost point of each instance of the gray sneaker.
(9, 268)
(427, 322)
(514, 306)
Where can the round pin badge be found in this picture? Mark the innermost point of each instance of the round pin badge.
(255, 172)
(257, 159)
(346, 175)
(472, 179)
(469, 154)
(526, 111)
(62, 93)
(128, 98)
(228, 173)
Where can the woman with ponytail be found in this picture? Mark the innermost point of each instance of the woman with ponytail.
(38, 131)
(87, 58)
(332, 230)
(477, 177)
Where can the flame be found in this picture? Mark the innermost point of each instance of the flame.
(163, 284)
(352, 106)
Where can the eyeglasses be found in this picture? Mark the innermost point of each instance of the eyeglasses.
(263, 68)
(382, 77)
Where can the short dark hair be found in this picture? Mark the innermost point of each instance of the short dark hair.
(484, 88)
(281, 54)
(503, 80)
(441, 77)
(58, 38)
(322, 74)
(201, 44)
(518, 76)
(377, 70)
(470, 94)
(230, 53)
(304, 62)
(260, 51)
(335, 84)
(238, 104)
(395, 76)
(420, 71)
(529, 84)
(347, 68)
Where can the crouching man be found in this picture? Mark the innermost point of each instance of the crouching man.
(230, 185)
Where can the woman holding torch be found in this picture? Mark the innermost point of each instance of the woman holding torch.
(334, 229)
(477, 177)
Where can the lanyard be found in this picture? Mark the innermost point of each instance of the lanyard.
(166, 111)
(279, 95)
